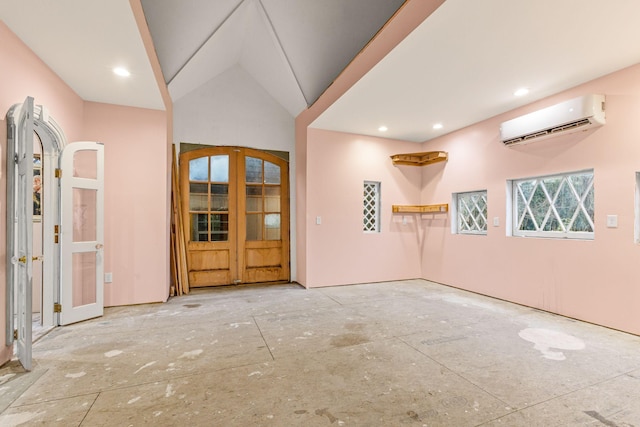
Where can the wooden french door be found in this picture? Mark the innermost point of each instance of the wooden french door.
(236, 207)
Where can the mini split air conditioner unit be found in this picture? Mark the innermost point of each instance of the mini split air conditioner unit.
(579, 114)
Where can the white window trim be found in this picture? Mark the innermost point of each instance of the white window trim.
(513, 217)
(378, 203)
(454, 215)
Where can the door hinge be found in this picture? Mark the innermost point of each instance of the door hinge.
(57, 307)
(58, 173)
(15, 334)
(56, 231)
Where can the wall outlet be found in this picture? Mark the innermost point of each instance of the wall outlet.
(496, 221)
(108, 277)
(612, 221)
(318, 220)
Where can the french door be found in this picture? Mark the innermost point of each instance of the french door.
(82, 232)
(236, 207)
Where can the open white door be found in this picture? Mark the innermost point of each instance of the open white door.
(82, 231)
(24, 214)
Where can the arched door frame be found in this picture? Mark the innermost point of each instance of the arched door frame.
(53, 142)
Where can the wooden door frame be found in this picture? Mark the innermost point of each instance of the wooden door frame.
(237, 205)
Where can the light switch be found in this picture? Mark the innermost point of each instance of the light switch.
(318, 220)
(108, 277)
(496, 221)
(612, 221)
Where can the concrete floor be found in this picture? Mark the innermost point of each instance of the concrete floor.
(386, 354)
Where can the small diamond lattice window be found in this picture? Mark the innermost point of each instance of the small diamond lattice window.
(371, 207)
(472, 212)
(554, 206)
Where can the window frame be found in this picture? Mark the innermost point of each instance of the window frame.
(568, 235)
(457, 212)
(377, 204)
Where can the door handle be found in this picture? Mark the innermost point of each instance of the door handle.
(22, 259)
(99, 246)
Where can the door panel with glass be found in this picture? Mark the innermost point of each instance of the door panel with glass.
(82, 232)
(236, 203)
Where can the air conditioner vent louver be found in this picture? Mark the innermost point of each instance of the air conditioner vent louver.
(571, 116)
(547, 132)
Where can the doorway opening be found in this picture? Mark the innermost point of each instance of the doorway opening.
(55, 228)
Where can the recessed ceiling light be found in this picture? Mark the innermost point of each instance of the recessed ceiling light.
(121, 71)
(521, 92)
(383, 128)
(438, 126)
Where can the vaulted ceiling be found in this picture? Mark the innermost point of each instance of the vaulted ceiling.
(460, 66)
(292, 48)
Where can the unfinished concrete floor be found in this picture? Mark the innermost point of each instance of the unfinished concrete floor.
(385, 354)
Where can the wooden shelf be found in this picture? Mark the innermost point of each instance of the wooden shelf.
(419, 159)
(420, 208)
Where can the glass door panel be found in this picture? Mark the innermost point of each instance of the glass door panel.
(84, 214)
(271, 173)
(253, 170)
(85, 164)
(272, 226)
(254, 227)
(84, 278)
(219, 227)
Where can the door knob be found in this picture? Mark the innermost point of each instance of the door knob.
(22, 259)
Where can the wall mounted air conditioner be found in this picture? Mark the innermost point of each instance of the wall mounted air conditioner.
(579, 114)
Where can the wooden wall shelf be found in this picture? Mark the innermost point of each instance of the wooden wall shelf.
(419, 159)
(441, 208)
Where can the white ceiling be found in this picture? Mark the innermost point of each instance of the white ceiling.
(462, 64)
(82, 41)
(459, 67)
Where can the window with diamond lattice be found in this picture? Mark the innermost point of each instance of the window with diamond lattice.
(554, 206)
(471, 210)
(371, 207)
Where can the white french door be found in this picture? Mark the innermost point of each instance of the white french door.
(82, 232)
(22, 258)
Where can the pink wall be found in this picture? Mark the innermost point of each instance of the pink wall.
(597, 281)
(130, 135)
(136, 251)
(24, 74)
(338, 251)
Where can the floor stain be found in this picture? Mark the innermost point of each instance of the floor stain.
(354, 326)
(346, 340)
(413, 415)
(603, 420)
(325, 412)
(301, 412)
(191, 305)
(454, 402)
